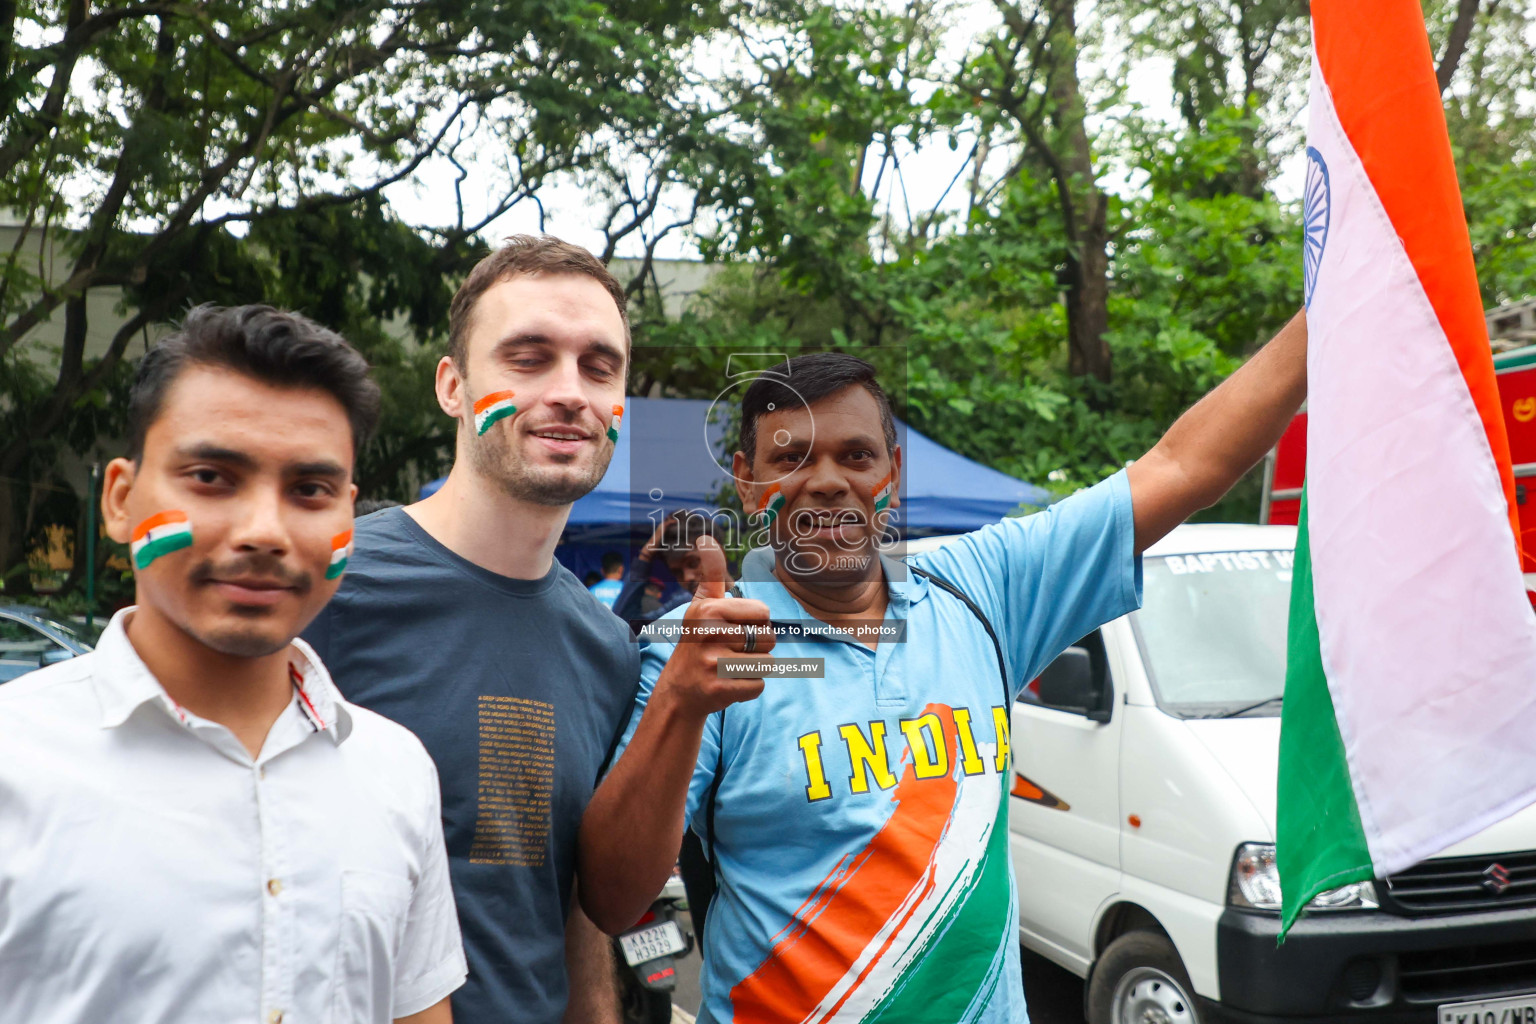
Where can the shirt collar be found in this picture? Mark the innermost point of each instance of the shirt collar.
(124, 683)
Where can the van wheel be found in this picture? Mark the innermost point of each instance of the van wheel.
(1141, 980)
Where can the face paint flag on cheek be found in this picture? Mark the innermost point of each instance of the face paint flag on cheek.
(158, 535)
(341, 550)
(771, 505)
(613, 428)
(883, 491)
(495, 406)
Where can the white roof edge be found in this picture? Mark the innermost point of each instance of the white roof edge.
(1187, 539)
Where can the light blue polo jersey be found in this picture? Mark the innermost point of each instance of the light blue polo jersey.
(861, 822)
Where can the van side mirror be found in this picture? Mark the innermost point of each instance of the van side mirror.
(1067, 683)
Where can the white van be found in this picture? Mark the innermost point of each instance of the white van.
(1143, 827)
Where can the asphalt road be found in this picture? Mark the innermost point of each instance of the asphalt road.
(1054, 996)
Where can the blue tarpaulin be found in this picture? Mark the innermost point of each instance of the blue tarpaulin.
(677, 467)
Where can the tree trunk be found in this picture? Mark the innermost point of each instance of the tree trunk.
(1088, 306)
(1456, 42)
(1084, 208)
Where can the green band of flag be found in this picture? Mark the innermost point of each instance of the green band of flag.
(1320, 842)
(771, 505)
(153, 549)
(341, 550)
(883, 491)
(159, 534)
(491, 409)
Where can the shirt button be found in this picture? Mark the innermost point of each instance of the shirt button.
(261, 773)
(276, 1017)
(274, 886)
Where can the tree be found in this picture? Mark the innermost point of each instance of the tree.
(183, 153)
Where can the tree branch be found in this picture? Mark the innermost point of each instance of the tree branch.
(1456, 42)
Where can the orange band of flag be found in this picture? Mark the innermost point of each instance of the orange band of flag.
(158, 519)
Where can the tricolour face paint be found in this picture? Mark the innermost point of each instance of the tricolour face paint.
(883, 491)
(341, 550)
(495, 406)
(613, 428)
(771, 504)
(158, 535)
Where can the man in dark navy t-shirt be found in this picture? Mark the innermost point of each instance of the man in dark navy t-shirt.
(455, 621)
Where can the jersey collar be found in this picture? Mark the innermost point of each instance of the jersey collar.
(904, 587)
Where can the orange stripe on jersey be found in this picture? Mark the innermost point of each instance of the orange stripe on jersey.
(850, 906)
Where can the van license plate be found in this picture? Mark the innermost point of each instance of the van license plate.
(662, 939)
(1514, 1010)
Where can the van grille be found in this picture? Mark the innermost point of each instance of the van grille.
(1434, 975)
(1459, 884)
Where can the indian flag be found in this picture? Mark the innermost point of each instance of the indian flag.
(618, 419)
(492, 407)
(341, 550)
(1410, 694)
(771, 504)
(158, 535)
(883, 491)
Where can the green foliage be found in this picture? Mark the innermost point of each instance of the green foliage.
(165, 155)
(158, 156)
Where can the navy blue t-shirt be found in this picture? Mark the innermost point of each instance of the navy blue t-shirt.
(519, 690)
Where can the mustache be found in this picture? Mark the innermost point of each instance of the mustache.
(265, 567)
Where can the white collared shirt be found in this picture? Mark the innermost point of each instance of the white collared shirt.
(152, 870)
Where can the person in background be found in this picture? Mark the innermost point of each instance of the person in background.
(195, 825)
(650, 599)
(457, 621)
(607, 589)
(675, 540)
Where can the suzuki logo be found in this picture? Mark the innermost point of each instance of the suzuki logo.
(1496, 879)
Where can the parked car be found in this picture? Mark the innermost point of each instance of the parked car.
(31, 638)
(1142, 828)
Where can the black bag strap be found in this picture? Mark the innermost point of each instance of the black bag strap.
(986, 623)
(938, 581)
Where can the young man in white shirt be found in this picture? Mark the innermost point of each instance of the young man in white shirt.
(195, 825)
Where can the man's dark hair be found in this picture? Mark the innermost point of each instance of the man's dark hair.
(524, 254)
(612, 560)
(271, 345)
(812, 377)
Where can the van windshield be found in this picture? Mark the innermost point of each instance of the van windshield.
(1212, 628)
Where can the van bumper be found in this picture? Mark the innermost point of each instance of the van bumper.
(1369, 965)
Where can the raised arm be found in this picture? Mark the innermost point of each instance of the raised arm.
(1221, 437)
(633, 827)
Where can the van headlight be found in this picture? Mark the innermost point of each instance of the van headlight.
(1255, 884)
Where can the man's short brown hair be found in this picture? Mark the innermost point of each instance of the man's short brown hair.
(524, 254)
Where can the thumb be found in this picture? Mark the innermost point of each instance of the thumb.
(712, 567)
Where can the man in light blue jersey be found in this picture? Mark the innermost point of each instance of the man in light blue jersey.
(857, 808)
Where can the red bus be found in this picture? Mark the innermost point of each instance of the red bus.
(1516, 370)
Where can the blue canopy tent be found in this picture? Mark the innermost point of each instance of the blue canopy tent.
(678, 467)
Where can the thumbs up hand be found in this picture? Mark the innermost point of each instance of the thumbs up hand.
(714, 627)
